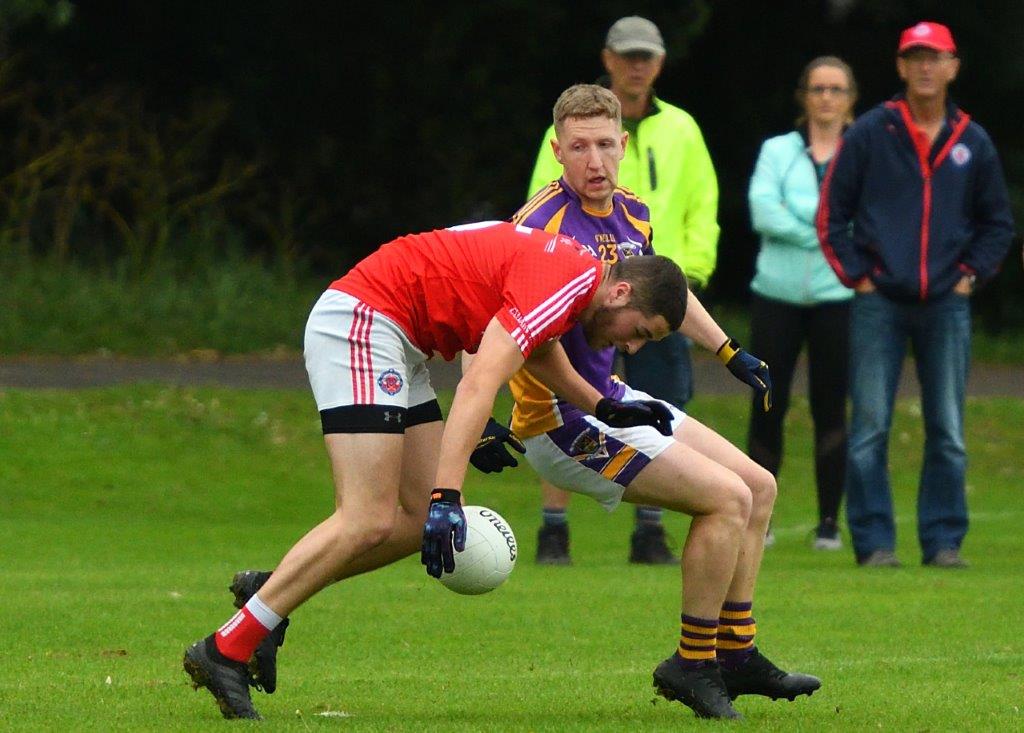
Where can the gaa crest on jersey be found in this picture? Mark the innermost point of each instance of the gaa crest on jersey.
(390, 381)
(630, 248)
(960, 154)
(588, 445)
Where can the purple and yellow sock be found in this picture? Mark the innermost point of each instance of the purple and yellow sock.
(696, 640)
(736, 630)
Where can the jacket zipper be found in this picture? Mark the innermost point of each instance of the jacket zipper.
(927, 169)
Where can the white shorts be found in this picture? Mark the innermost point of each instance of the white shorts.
(366, 375)
(588, 457)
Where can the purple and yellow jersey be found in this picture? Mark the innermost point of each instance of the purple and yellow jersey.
(622, 231)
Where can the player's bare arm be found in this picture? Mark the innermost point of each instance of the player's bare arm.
(497, 359)
(702, 328)
(550, 364)
(699, 326)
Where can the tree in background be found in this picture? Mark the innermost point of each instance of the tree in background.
(308, 133)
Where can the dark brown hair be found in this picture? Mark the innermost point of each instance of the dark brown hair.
(659, 286)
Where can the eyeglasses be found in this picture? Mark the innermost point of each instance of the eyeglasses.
(820, 90)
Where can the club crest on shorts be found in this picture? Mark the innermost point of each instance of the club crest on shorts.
(588, 445)
(390, 381)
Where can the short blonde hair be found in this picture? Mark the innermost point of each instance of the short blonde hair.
(584, 101)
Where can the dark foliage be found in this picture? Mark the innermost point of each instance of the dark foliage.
(312, 133)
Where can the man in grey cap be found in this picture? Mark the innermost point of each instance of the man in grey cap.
(667, 165)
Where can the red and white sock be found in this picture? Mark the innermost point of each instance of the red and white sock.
(239, 637)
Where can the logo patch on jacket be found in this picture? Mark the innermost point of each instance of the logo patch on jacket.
(390, 381)
(960, 154)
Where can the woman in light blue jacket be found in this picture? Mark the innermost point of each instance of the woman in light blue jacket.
(797, 298)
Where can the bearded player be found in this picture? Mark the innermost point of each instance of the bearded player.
(502, 291)
(694, 471)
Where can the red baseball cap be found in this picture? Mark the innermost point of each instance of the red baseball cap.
(929, 35)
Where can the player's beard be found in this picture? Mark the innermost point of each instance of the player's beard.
(595, 330)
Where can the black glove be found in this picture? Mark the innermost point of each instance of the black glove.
(491, 454)
(445, 526)
(747, 368)
(632, 413)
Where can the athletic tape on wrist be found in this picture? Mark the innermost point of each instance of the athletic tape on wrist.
(727, 350)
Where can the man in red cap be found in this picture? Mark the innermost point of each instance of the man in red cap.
(913, 215)
(927, 35)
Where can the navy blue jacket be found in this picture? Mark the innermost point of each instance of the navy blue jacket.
(914, 217)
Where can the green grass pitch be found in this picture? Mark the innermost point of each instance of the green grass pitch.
(125, 511)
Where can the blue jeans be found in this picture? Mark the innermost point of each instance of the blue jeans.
(940, 333)
(662, 369)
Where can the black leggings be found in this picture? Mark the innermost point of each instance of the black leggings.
(777, 333)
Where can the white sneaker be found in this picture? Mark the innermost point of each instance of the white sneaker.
(827, 538)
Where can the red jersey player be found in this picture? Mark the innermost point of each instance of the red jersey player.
(503, 292)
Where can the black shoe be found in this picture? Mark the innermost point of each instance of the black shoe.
(701, 689)
(647, 546)
(553, 545)
(226, 679)
(758, 676)
(263, 665)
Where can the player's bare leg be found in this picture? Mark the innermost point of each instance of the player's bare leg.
(682, 479)
(419, 465)
(367, 469)
(745, 670)
(762, 487)
(366, 497)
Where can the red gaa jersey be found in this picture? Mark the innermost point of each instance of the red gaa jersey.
(443, 287)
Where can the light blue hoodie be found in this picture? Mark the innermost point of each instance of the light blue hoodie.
(783, 201)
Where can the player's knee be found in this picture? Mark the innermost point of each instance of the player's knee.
(373, 532)
(737, 502)
(415, 504)
(763, 490)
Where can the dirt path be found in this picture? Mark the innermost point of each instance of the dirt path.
(288, 372)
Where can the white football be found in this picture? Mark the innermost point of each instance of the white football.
(489, 556)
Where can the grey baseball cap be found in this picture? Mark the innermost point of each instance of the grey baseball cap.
(634, 33)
